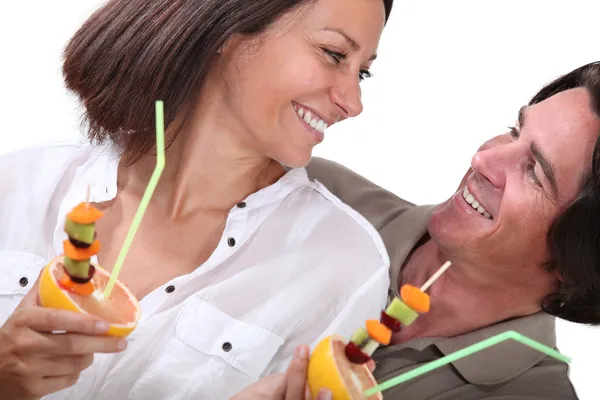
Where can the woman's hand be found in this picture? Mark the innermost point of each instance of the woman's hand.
(288, 386)
(35, 362)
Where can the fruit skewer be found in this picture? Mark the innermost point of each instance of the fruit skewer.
(402, 311)
(80, 247)
(71, 282)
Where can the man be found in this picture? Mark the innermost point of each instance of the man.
(522, 233)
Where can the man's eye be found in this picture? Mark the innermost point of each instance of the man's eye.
(514, 132)
(532, 175)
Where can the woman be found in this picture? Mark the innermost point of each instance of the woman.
(240, 258)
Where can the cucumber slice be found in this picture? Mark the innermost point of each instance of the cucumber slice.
(359, 336)
(77, 269)
(80, 232)
(400, 311)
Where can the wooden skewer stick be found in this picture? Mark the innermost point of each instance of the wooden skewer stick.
(435, 276)
(87, 195)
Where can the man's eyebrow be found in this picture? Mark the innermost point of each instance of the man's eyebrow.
(353, 43)
(547, 168)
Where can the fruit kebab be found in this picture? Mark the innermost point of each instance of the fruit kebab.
(78, 250)
(341, 367)
(402, 311)
(71, 282)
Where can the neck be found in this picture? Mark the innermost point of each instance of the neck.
(208, 165)
(465, 298)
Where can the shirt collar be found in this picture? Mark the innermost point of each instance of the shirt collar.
(105, 188)
(99, 168)
(503, 361)
(506, 360)
(402, 234)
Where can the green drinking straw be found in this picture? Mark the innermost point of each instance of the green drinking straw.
(467, 351)
(137, 219)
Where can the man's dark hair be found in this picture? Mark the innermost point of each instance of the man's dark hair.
(130, 53)
(574, 238)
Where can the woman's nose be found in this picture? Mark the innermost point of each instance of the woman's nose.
(347, 96)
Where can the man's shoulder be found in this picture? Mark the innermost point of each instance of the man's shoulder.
(549, 379)
(375, 203)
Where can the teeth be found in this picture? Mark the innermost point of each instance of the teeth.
(469, 198)
(307, 117)
(312, 120)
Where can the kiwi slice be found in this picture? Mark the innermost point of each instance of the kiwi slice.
(83, 233)
(77, 269)
(359, 336)
(400, 311)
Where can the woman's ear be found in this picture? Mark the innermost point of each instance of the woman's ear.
(230, 43)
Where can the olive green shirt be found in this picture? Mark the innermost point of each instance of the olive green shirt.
(507, 371)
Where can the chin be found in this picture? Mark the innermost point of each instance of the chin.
(295, 158)
(450, 228)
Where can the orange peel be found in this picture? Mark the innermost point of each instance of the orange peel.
(328, 368)
(121, 310)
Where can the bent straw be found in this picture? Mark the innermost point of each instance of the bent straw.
(137, 219)
(467, 351)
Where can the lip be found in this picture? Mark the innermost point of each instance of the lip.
(316, 135)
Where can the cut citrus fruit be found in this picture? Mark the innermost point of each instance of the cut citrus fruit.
(328, 368)
(121, 310)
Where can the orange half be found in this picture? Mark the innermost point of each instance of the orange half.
(329, 368)
(121, 309)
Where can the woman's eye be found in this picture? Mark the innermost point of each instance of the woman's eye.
(339, 57)
(336, 56)
(364, 74)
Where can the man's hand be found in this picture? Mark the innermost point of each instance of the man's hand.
(35, 362)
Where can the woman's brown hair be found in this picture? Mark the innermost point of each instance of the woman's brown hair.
(130, 53)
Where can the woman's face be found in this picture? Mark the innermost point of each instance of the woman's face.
(283, 89)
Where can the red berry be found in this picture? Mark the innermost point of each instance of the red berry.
(390, 322)
(355, 354)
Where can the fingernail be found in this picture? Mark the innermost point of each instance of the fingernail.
(324, 394)
(122, 344)
(301, 352)
(102, 326)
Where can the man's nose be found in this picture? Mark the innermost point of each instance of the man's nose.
(347, 96)
(493, 164)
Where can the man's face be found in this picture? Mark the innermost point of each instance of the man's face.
(517, 186)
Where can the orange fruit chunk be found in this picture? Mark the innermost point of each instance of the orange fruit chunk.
(415, 298)
(328, 368)
(379, 332)
(78, 254)
(121, 309)
(84, 213)
(82, 289)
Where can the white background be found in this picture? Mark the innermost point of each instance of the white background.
(450, 74)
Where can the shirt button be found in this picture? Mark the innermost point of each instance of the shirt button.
(242, 204)
(23, 281)
(227, 347)
(231, 242)
(170, 289)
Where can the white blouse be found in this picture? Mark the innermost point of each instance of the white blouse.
(304, 265)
